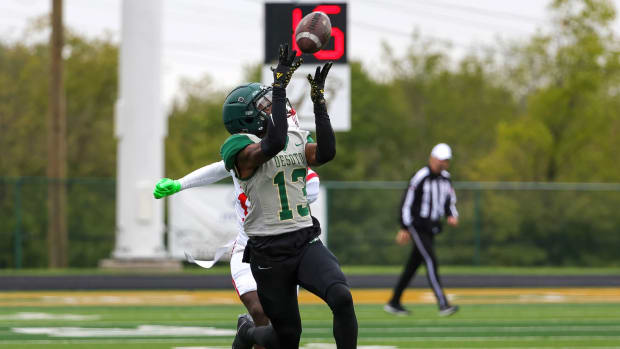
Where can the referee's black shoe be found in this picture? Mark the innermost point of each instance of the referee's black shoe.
(448, 310)
(244, 323)
(396, 309)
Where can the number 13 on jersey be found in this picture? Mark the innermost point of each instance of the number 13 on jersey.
(298, 174)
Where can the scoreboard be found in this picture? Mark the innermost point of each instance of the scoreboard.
(281, 19)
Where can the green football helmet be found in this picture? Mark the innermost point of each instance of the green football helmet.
(247, 108)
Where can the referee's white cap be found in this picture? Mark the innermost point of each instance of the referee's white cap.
(442, 151)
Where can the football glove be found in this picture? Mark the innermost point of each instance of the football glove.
(317, 84)
(286, 66)
(165, 187)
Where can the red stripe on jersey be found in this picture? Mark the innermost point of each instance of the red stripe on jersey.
(235, 286)
(311, 175)
(243, 201)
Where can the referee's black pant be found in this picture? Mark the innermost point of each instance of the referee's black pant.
(422, 251)
(317, 270)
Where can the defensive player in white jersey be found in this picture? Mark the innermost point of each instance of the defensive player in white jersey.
(243, 281)
(283, 249)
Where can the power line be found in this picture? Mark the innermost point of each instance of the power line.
(479, 11)
(439, 16)
(212, 10)
(20, 13)
(202, 57)
(203, 20)
(370, 26)
(11, 18)
(184, 45)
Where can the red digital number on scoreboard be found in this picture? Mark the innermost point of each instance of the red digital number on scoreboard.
(338, 35)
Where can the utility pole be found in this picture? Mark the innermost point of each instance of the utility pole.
(57, 241)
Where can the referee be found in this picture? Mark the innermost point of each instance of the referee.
(429, 197)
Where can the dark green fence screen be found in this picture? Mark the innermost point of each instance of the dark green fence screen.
(23, 221)
(508, 224)
(501, 224)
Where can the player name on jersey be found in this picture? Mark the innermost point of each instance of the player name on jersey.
(289, 159)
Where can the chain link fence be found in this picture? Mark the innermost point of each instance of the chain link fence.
(504, 223)
(507, 224)
(23, 221)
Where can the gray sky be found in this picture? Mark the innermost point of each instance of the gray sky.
(219, 37)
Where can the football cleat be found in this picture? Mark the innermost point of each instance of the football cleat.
(244, 322)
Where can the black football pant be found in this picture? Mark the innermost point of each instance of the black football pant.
(317, 270)
(422, 251)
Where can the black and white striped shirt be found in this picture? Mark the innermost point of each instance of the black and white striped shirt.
(429, 197)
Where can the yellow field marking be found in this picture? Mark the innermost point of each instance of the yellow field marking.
(496, 295)
(360, 296)
(173, 297)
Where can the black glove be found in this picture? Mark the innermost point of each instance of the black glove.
(286, 67)
(317, 85)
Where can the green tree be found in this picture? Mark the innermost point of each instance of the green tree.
(567, 81)
(195, 128)
(91, 89)
(424, 101)
(23, 106)
(91, 85)
(365, 152)
(454, 105)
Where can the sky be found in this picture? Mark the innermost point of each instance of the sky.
(219, 38)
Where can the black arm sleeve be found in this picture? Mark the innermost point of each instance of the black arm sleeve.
(325, 138)
(275, 140)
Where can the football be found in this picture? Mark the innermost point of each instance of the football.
(313, 32)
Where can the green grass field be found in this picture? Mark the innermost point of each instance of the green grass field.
(546, 323)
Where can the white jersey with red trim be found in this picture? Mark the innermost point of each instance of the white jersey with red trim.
(242, 203)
